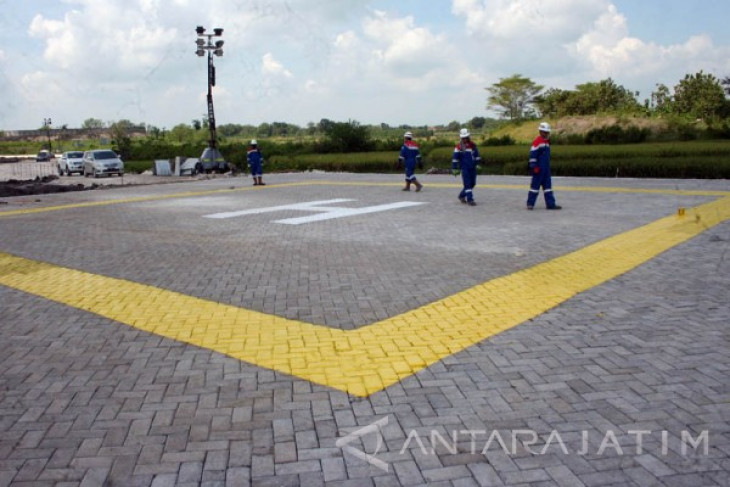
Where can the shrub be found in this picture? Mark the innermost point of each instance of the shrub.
(614, 134)
(345, 137)
(496, 141)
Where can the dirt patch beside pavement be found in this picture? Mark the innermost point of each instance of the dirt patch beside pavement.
(44, 185)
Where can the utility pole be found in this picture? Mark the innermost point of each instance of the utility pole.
(47, 125)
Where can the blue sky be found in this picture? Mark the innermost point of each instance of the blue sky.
(399, 62)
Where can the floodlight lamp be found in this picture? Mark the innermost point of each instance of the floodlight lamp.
(218, 52)
(218, 44)
(200, 30)
(200, 52)
(218, 31)
(200, 42)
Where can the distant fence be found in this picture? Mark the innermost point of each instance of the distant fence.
(65, 134)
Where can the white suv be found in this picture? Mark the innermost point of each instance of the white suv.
(71, 162)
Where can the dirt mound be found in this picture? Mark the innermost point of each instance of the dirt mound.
(44, 185)
(583, 125)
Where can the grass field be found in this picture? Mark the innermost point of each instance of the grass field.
(694, 159)
(707, 159)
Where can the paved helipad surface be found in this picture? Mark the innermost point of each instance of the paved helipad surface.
(332, 329)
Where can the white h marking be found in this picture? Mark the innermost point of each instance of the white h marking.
(325, 212)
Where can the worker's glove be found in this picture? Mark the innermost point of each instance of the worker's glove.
(420, 164)
(455, 172)
(536, 170)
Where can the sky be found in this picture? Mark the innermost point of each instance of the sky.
(414, 62)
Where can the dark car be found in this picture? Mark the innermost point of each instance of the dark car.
(44, 156)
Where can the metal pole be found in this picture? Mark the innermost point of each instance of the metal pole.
(212, 143)
(47, 122)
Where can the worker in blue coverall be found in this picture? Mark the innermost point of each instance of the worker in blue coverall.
(410, 155)
(539, 167)
(255, 160)
(466, 160)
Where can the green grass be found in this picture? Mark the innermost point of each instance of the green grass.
(348, 162)
(137, 167)
(694, 159)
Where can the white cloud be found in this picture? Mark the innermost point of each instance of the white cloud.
(607, 50)
(553, 21)
(302, 60)
(272, 67)
(562, 43)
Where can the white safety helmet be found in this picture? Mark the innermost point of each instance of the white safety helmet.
(544, 127)
(253, 142)
(464, 133)
(408, 135)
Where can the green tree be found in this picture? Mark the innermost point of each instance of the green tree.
(154, 131)
(477, 122)
(661, 99)
(513, 96)
(92, 123)
(589, 99)
(347, 136)
(553, 102)
(604, 96)
(699, 95)
(325, 125)
(121, 142)
(264, 129)
(182, 133)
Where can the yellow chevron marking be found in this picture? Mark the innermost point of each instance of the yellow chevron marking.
(371, 358)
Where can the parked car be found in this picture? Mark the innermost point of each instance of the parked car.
(71, 162)
(102, 161)
(44, 156)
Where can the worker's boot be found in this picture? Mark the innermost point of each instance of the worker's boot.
(407, 186)
(419, 186)
(261, 183)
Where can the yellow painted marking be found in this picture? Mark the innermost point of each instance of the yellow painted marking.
(593, 189)
(371, 358)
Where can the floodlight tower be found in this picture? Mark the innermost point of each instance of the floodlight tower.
(211, 158)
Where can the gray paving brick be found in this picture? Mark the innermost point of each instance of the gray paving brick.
(91, 398)
(564, 477)
(165, 480)
(238, 476)
(262, 465)
(654, 465)
(333, 469)
(285, 452)
(94, 477)
(216, 460)
(408, 473)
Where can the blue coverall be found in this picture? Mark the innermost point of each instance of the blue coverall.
(255, 160)
(539, 166)
(410, 155)
(466, 158)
